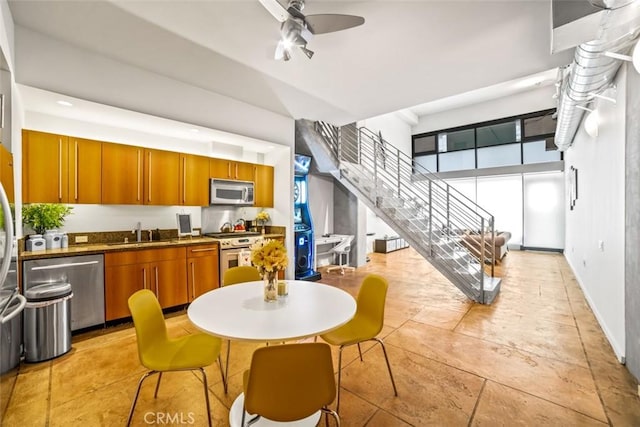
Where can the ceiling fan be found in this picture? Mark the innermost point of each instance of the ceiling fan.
(298, 29)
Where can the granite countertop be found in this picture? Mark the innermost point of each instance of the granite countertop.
(98, 248)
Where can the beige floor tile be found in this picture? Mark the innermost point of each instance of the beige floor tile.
(441, 317)
(384, 419)
(548, 339)
(29, 404)
(501, 405)
(429, 393)
(565, 384)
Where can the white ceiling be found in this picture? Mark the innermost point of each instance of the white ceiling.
(422, 55)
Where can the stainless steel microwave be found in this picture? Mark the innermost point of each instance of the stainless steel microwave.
(230, 192)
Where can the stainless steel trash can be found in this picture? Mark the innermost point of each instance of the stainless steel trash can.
(47, 321)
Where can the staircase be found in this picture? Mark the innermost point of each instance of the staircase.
(439, 222)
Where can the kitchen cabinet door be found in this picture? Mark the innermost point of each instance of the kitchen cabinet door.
(161, 177)
(202, 269)
(231, 169)
(120, 282)
(194, 180)
(44, 167)
(263, 190)
(243, 171)
(85, 171)
(6, 173)
(168, 279)
(122, 167)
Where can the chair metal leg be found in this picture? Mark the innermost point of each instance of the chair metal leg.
(253, 420)
(155, 395)
(339, 377)
(206, 394)
(226, 368)
(224, 378)
(335, 415)
(360, 352)
(135, 398)
(384, 350)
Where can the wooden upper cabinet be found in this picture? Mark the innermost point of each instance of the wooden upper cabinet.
(263, 191)
(45, 166)
(194, 180)
(231, 169)
(6, 173)
(85, 171)
(161, 177)
(122, 167)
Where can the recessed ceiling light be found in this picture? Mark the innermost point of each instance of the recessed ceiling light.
(194, 130)
(65, 103)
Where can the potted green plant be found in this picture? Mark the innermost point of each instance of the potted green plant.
(44, 216)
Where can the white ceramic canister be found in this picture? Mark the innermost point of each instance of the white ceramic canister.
(53, 239)
(35, 242)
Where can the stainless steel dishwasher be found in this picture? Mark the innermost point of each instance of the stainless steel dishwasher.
(85, 274)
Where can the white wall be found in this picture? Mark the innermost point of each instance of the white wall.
(397, 132)
(598, 215)
(521, 103)
(7, 34)
(394, 130)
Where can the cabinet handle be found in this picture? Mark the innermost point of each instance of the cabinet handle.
(236, 171)
(138, 176)
(204, 250)
(157, 290)
(60, 168)
(149, 196)
(144, 278)
(76, 168)
(193, 281)
(184, 180)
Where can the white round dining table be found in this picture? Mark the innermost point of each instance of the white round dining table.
(239, 312)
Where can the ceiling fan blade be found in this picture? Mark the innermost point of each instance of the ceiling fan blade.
(276, 9)
(328, 22)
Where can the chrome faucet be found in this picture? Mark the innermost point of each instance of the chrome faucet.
(138, 232)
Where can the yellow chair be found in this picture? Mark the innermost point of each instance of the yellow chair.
(159, 353)
(233, 276)
(243, 273)
(289, 382)
(365, 325)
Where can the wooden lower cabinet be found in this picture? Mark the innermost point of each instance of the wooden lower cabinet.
(202, 269)
(163, 271)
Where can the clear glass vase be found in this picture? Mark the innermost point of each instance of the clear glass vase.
(270, 286)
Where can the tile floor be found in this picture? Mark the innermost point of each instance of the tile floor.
(536, 356)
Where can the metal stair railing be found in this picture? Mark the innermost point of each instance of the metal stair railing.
(438, 220)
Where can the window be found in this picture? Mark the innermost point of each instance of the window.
(503, 142)
(424, 145)
(498, 134)
(455, 141)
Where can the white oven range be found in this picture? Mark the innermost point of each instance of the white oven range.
(231, 244)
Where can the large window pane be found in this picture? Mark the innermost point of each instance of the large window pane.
(502, 196)
(536, 152)
(424, 144)
(457, 160)
(541, 125)
(501, 133)
(453, 141)
(544, 204)
(505, 155)
(429, 163)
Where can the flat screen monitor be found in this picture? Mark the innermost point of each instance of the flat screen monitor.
(301, 164)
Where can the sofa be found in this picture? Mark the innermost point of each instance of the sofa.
(473, 241)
